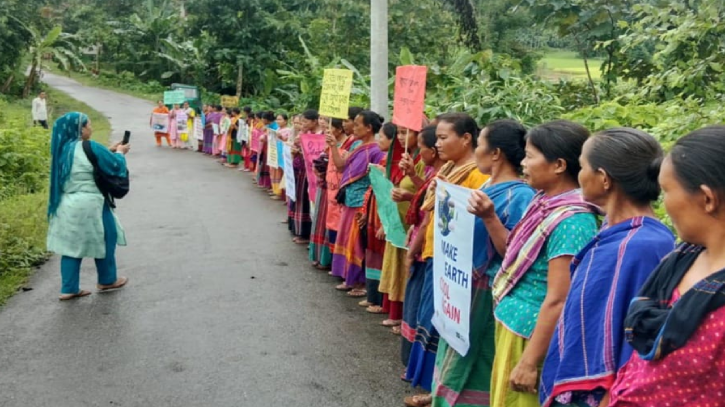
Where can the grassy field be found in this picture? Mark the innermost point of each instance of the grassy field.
(23, 222)
(567, 64)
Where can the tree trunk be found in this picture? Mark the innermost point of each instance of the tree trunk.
(7, 84)
(589, 74)
(31, 79)
(240, 78)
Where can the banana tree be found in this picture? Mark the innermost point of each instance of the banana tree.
(54, 43)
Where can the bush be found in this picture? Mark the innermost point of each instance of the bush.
(24, 155)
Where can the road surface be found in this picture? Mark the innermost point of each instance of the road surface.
(222, 309)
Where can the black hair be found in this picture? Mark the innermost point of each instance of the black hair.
(247, 109)
(259, 115)
(336, 123)
(632, 158)
(353, 111)
(462, 124)
(698, 159)
(269, 116)
(311, 114)
(284, 116)
(429, 137)
(229, 111)
(237, 110)
(371, 119)
(560, 140)
(218, 108)
(510, 137)
(390, 130)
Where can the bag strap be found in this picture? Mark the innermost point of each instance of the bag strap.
(88, 149)
(90, 154)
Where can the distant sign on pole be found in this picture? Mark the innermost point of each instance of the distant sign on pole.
(174, 97)
(409, 98)
(230, 101)
(335, 96)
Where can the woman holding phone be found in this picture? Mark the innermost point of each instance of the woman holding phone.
(81, 222)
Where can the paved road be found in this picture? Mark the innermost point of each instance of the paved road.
(221, 310)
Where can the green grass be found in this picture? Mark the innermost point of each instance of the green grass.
(60, 103)
(567, 64)
(23, 224)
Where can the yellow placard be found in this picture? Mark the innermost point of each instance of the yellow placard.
(230, 101)
(335, 96)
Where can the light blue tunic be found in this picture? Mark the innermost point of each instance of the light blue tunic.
(76, 229)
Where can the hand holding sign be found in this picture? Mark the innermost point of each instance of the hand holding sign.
(481, 205)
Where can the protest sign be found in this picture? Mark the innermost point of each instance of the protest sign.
(174, 97)
(256, 143)
(335, 96)
(229, 101)
(160, 122)
(409, 98)
(313, 145)
(387, 209)
(289, 174)
(453, 265)
(198, 129)
(272, 154)
(280, 158)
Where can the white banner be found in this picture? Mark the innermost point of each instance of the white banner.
(198, 129)
(160, 122)
(272, 159)
(453, 265)
(289, 174)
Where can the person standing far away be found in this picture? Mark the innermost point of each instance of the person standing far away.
(162, 109)
(40, 111)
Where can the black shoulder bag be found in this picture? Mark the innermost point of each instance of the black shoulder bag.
(111, 187)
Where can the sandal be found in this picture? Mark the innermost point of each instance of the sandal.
(396, 330)
(343, 287)
(375, 309)
(79, 294)
(419, 400)
(357, 293)
(390, 323)
(365, 303)
(118, 284)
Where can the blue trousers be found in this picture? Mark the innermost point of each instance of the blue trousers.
(70, 267)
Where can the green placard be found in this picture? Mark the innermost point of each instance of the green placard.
(174, 97)
(387, 209)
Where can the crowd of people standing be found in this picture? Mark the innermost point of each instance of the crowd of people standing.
(580, 295)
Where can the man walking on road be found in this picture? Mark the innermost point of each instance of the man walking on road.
(40, 111)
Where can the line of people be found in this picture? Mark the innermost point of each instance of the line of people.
(581, 296)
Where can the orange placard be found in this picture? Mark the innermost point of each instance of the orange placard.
(409, 96)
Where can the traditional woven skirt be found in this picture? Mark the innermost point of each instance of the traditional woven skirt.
(466, 380)
(423, 354)
(349, 255)
(509, 350)
(411, 306)
(208, 141)
(235, 153)
(319, 248)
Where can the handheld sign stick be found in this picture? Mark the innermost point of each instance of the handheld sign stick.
(407, 136)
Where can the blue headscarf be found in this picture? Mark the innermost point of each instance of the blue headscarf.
(66, 133)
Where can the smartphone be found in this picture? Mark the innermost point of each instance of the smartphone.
(126, 137)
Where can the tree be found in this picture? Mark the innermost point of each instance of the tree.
(55, 44)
